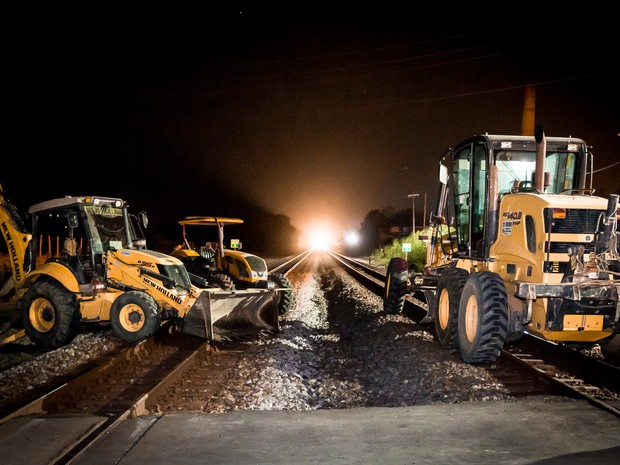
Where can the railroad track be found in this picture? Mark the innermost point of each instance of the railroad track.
(174, 372)
(167, 370)
(568, 371)
(416, 306)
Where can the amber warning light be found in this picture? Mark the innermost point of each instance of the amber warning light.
(559, 213)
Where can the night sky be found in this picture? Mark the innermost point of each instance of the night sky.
(321, 116)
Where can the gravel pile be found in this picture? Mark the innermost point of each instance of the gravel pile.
(338, 350)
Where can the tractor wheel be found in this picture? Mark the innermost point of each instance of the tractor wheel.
(395, 286)
(284, 297)
(50, 314)
(223, 281)
(135, 316)
(483, 318)
(446, 305)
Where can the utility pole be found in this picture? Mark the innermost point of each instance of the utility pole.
(412, 197)
(529, 111)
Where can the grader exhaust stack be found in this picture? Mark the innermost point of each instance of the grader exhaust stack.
(541, 148)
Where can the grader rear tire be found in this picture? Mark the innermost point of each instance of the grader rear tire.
(483, 318)
(446, 306)
(395, 286)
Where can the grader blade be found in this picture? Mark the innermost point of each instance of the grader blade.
(223, 315)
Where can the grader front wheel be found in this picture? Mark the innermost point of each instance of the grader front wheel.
(483, 318)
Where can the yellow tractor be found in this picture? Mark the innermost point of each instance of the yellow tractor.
(229, 268)
(520, 245)
(83, 262)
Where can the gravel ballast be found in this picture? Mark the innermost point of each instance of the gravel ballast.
(336, 349)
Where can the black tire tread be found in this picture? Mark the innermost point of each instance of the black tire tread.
(285, 298)
(453, 280)
(493, 314)
(150, 309)
(223, 281)
(67, 315)
(395, 286)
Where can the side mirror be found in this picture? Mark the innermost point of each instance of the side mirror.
(443, 174)
(139, 244)
(144, 220)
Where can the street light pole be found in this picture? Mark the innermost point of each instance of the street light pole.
(424, 217)
(412, 197)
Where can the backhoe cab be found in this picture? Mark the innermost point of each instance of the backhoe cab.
(83, 262)
(519, 244)
(229, 268)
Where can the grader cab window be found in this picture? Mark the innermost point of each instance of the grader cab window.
(516, 171)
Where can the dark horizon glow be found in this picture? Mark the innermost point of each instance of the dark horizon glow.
(321, 118)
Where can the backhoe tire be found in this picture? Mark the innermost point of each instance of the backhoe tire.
(222, 281)
(135, 316)
(483, 318)
(446, 305)
(395, 286)
(284, 297)
(50, 314)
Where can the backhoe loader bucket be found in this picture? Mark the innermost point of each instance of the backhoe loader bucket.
(224, 315)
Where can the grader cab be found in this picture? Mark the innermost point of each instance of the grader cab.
(520, 245)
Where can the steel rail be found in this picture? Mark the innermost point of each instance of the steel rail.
(575, 386)
(133, 408)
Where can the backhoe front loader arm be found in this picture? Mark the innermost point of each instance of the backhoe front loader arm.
(18, 242)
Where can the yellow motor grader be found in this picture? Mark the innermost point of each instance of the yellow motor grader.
(520, 245)
(83, 262)
(229, 268)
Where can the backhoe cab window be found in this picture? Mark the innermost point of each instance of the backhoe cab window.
(108, 227)
(59, 233)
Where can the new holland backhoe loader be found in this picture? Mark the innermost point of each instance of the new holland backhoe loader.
(229, 268)
(520, 245)
(82, 262)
